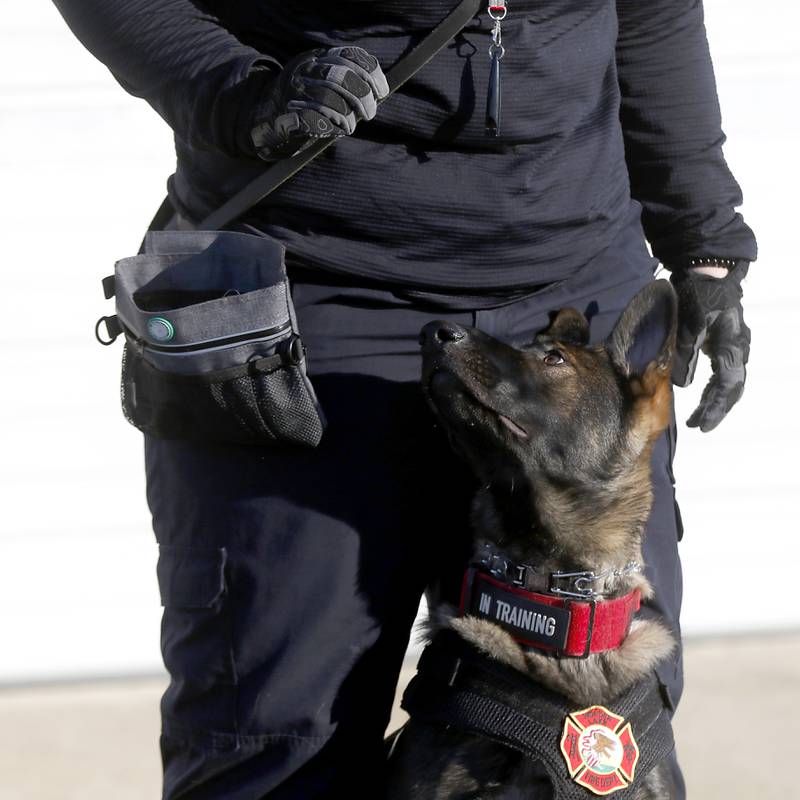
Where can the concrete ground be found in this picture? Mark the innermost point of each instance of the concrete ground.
(736, 729)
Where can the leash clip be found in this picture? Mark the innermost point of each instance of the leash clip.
(577, 587)
(497, 13)
(578, 582)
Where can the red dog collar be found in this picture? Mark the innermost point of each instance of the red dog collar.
(546, 622)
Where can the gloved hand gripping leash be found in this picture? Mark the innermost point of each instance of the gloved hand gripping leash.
(497, 11)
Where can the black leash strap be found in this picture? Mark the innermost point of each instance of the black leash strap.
(282, 170)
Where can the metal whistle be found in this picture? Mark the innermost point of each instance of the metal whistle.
(497, 12)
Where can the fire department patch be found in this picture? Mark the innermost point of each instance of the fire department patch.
(599, 749)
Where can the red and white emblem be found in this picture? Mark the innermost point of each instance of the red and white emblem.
(599, 749)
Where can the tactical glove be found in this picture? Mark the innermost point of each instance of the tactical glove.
(319, 93)
(710, 319)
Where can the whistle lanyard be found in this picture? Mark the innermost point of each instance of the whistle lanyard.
(497, 12)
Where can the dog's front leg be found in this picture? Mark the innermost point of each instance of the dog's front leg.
(436, 762)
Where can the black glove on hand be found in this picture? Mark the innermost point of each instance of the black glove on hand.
(319, 93)
(710, 319)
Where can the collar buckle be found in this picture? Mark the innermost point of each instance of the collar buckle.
(577, 585)
(498, 566)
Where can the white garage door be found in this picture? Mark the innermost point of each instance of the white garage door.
(83, 168)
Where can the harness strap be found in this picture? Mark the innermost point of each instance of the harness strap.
(457, 685)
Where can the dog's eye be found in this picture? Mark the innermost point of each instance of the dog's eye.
(553, 358)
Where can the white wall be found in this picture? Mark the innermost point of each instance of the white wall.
(82, 168)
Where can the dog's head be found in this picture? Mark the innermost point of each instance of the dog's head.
(557, 431)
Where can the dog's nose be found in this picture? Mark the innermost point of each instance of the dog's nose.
(438, 332)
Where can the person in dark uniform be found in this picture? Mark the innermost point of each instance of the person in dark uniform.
(290, 577)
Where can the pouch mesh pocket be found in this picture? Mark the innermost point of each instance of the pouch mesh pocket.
(265, 401)
(272, 404)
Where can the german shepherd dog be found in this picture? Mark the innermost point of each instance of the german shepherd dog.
(559, 435)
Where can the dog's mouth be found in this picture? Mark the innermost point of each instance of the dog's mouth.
(515, 428)
(442, 383)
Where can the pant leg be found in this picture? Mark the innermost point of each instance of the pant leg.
(291, 577)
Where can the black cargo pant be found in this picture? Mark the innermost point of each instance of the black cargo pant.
(290, 578)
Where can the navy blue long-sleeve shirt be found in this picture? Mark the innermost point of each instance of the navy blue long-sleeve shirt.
(601, 101)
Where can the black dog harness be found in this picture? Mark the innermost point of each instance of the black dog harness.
(459, 686)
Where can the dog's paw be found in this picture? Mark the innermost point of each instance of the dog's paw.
(648, 643)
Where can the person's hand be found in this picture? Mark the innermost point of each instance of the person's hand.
(321, 93)
(710, 320)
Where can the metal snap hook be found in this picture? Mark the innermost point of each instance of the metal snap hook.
(497, 9)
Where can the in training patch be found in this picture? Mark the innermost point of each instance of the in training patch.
(529, 621)
(599, 749)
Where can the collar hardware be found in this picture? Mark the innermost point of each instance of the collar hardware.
(577, 587)
(546, 621)
(498, 566)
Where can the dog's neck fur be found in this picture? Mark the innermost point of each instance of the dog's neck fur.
(538, 526)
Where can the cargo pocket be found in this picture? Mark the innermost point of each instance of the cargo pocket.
(196, 644)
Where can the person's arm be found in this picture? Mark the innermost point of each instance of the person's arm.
(176, 55)
(673, 138)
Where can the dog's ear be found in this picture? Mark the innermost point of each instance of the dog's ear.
(644, 336)
(569, 325)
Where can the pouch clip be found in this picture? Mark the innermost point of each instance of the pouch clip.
(109, 286)
(113, 329)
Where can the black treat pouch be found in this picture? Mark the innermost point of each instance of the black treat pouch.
(212, 350)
